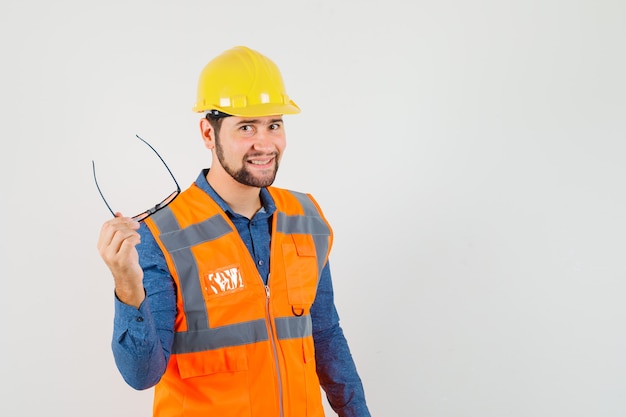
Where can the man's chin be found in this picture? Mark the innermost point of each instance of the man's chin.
(255, 181)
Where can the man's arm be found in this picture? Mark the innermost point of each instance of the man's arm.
(142, 337)
(335, 367)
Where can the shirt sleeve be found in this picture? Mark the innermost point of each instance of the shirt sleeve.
(143, 337)
(335, 366)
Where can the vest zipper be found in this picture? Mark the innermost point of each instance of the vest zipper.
(273, 342)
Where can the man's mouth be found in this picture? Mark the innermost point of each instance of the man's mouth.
(260, 161)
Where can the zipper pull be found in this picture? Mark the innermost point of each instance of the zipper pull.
(267, 291)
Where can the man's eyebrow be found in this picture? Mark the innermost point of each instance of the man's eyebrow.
(257, 121)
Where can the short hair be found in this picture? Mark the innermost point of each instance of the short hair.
(216, 121)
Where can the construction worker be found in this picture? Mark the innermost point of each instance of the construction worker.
(223, 293)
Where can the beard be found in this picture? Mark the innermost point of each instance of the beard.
(242, 175)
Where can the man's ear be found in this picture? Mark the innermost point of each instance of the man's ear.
(208, 133)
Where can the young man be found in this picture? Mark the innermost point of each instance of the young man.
(224, 300)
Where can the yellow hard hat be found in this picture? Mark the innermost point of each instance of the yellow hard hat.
(242, 82)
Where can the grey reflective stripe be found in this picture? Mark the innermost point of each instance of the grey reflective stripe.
(220, 337)
(191, 292)
(165, 220)
(241, 334)
(301, 225)
(293, 327)
(307, 204)
(210, 229)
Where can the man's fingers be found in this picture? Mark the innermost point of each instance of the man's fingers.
(114, 233)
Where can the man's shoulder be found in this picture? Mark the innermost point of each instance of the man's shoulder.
(284, 197)
(289, 194)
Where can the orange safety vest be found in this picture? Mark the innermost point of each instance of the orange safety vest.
(241, 348)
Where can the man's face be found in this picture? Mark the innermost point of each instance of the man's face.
(249, 149)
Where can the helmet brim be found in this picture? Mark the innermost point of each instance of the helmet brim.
(260, 110)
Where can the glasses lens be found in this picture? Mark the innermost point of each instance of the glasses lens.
(162, 204)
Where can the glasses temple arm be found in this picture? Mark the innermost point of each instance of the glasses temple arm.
(93, 166)
(157, 154)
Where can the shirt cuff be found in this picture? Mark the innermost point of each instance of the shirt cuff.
(137, 321)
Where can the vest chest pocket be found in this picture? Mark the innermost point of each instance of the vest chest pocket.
(300, 261)
(231, 359)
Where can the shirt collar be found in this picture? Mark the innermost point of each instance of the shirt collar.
(267, 202)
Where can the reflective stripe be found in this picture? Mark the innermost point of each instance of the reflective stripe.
(220, 337)
(210, 229)
(191, 292)
(293, 327)
(301, 225)
(241, 334)
(165, 220)
(309, 208)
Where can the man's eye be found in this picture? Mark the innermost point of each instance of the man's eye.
(275, 126)
(246, 128)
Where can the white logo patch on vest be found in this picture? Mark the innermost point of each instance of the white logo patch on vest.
(224, 280)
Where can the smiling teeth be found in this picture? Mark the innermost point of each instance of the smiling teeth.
(267, 161)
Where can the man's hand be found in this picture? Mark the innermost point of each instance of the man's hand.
(116, 245)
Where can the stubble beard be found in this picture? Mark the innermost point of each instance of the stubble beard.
(242, 175)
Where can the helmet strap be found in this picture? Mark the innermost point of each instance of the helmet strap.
(216, 114)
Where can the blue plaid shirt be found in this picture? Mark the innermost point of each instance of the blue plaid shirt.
(142, 338)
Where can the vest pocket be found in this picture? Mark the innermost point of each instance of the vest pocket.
(214, 383)
(300, 262)
(232, 359)
(302, 386)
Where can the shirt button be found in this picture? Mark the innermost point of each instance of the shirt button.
(261, 262)
(139, 319)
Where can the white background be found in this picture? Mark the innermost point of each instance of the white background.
(469, 154)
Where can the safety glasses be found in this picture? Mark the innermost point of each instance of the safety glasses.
(144, 215)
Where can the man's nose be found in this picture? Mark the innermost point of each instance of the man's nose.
(263, 141)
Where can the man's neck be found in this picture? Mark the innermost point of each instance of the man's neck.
(242, 199)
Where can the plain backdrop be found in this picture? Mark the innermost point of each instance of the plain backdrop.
(469, 155)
